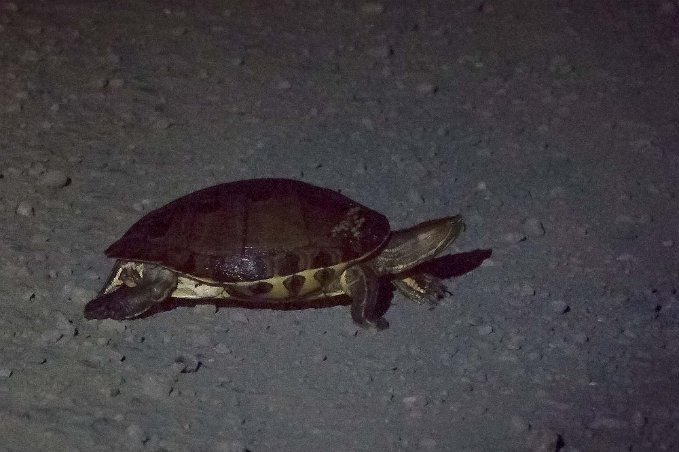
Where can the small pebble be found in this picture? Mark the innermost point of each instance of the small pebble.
(519, 424)
(36, 169)
(319, 358)
(625, 228)
(667, 10)
(372, 8)
(625, 257)
(29, 56)
(50, 337)
(109, 392)
(230, 446)
(513, 237)
(98, 83)
(601, 422)
(141, 206)
(161, 124)
(382, 51)
(154, 387)
(484, 153)
(533, 227)
(113, 58)
(486, 8)
(201, 340)
(13, 107)
(25, 209)
(112, 325)
(428, 444)
(238, 316)
(580, 338)
(545, 441)
(426, 88)
(54, 179)
(179, 31)
(10, 7)
(186, 364)
(526, 290)
(5, 372)
(411, 402)
(283, 85)
(205, 309)
(560, 307)
(76, 294)
(114, 356)
(65, 326)
(135, 435)
(638, 419)
(223, 349)
(368, 123)
(557, 192)
(515, 341)
(559, 65)
(116, 83)
(415, 196)
(629, 334)
(485, 330)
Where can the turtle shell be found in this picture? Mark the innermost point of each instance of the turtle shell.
(253, 230)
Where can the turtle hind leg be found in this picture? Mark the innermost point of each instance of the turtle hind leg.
(362, 285)
(421, 288)
(156, 284)
(123, 303)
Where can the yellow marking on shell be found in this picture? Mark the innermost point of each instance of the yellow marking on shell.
(311, 289)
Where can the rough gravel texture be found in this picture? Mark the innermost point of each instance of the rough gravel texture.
(551, 126)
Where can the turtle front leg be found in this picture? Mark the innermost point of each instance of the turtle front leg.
(125, 302)
(362, 285)
(421, 288)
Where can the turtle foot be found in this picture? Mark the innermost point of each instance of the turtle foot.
(422, 288)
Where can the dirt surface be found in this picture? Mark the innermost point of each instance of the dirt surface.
(551, 126)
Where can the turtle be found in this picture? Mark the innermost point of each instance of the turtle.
(274, 241)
